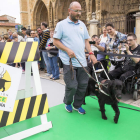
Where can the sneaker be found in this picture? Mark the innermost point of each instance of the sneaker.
(49, 75)
(23, 71)
(80, 110)
(68, 108)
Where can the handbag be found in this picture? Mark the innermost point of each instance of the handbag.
(53, 51)
(60, 62)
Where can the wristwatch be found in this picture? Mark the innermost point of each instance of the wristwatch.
(91, 53)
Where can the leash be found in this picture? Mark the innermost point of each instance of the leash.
(99, 84)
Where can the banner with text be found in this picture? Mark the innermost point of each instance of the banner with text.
(9, 83)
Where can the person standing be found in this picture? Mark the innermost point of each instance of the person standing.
(24, 33)
(33, 35)
(41, 63)
(104, 36)
(71, 37)
(20, 38)
(53, 57)
(10, 34)
(42, 45)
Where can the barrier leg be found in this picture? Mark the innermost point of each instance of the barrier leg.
(45, 125)
(38, 87)
(28, 79)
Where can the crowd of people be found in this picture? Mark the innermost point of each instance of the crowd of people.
(44, 37)
(70, 42)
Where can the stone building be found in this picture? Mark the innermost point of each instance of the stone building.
(7, 23)
(119, 12)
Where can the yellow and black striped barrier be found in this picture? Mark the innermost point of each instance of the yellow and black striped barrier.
(17, 52)
(25, 109)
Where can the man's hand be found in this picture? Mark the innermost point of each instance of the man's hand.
(127, 47)
(48, 48)
(93, 59)
(70, 53)
(120, 46)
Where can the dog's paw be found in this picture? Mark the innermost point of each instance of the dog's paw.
(104, 117)
(115, 119)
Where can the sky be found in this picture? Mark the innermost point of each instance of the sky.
(11, 8)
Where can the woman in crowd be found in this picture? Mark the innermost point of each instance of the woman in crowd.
(53, 57)
(104, 36)
(5, 37)
(112, 44)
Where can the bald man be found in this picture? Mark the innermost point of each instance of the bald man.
(71, 37)
(20, 38)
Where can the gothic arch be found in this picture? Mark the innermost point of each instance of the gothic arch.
(40, 14)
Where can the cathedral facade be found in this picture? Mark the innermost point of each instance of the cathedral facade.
(119, 12)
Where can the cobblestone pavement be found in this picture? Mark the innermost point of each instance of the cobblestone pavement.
(128, 98)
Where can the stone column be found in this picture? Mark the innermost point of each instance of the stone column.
(24, 12)
(137, 15)
(93, 25)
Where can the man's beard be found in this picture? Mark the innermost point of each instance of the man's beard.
(73, 17)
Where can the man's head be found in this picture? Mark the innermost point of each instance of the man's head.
(33, 34)
(5, 37)
(39, 31)
(131, 40)
(96, 39)
(28, 33)
(15, 38)
(10, 32)
(44, 25)
(23, 30)
(110, 29)
(15, 34)
(75, 11)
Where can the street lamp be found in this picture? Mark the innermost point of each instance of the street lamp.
(28, 27)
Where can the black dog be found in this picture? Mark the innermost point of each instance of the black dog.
(2, 84)
(114, 90)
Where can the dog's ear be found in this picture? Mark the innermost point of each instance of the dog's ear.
(108, 87)
(110, 84)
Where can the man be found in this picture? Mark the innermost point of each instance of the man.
(33, 35)
(10, 34)
(71, 37)
(23, 30)
(41, 63)
(129, 67)
(99, 47)
(40, 34)
(46, 36)
(20, 38)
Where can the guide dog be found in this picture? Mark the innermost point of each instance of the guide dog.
(113, 89)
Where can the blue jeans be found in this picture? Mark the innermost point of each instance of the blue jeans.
(54, 66)
(46, 59)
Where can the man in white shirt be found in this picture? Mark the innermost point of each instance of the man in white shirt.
(20, 38)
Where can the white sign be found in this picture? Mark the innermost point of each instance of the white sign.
(9, 83)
